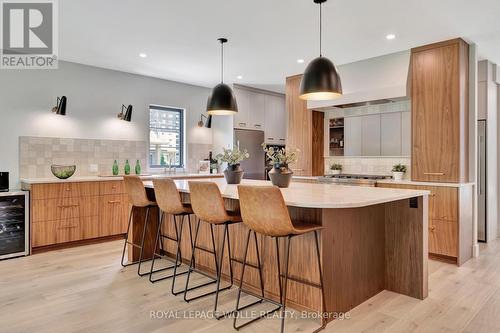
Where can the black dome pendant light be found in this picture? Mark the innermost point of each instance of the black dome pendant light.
(320, 80)
(222, 101)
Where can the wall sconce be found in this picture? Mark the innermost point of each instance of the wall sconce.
(127, 115)
(60, 107)
(207, 123)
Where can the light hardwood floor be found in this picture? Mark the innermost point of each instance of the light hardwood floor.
(85, 289)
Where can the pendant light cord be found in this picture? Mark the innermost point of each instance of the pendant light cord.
(320, 30)
(222, 62)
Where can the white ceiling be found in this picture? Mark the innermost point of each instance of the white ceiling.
(266, 37)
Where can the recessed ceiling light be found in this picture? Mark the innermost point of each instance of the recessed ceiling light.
(300, 61)
(390, 36)
(239, 77)
(143, 55)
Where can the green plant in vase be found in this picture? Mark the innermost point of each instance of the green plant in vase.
(280, 174)
(232, 157)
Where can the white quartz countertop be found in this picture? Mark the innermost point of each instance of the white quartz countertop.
(178, 175)
(307, 195)
(410, 182)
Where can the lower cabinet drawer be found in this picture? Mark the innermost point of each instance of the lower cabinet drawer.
(113, 214)
(62, 231)
(64, 208)
(443, 237)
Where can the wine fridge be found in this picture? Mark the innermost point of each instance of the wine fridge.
(14, 224)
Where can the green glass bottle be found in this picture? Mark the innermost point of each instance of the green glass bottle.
(127, 168)
(137, 167)
(115, 168)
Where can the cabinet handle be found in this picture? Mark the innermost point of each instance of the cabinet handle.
(68, 189)
(297, 169)
(242, 124)
(68, 206)
(270, 138)
(68, 227)
(258, 125)
(434, 173)
(282, 139)
(432, 228)
(114, 201)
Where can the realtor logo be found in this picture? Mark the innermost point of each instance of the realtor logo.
(29, 34)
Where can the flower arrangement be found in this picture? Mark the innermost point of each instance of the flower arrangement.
(399, 168)
(232, 156)
(336, 166)
(280, 157)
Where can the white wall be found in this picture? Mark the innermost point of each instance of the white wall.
(95, 96)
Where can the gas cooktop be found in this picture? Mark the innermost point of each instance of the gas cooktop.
(358, 176)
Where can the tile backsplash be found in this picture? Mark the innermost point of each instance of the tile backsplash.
(367, 165)
(37, 154)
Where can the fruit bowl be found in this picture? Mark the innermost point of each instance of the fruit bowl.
(63, 171)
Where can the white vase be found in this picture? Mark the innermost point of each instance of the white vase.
(335, 172)
(397, 176)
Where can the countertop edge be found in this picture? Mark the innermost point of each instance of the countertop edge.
(31, 181)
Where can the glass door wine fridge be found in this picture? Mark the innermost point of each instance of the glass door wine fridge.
(14, 224)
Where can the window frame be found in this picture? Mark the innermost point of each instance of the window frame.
(182, 145)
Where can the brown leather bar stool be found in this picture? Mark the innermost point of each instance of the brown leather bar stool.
(169, 201)
(264, 211)
(208, 206)
(138, 199)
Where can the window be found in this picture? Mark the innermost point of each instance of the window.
(166, 136)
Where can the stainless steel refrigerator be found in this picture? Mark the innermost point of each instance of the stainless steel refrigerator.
(255, 166)
(481, 180)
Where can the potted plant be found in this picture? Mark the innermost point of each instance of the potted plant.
(280, 174)
(232, 157)
(398, 171)
(335, 168)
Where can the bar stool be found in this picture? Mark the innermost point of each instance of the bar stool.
(264, 211)
(138, 199)
(208, 206)
(169, 201)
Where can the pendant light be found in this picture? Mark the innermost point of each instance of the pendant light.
(222, 101)
(320, 80)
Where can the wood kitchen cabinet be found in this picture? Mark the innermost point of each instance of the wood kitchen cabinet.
(75, 211)
(305, 132)
(439, 95)
(450, 220)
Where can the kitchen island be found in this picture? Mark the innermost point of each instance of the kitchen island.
(373, 239)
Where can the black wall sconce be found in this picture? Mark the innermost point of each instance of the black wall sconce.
(127, 115)
(60, 107)
(207, 123)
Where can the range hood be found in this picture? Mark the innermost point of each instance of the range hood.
(379, 78)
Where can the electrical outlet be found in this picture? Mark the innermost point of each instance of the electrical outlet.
(93, 168)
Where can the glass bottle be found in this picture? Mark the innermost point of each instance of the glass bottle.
(115, 168)
(127, 168)
(137, 167)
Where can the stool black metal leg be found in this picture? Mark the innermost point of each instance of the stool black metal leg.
(287, 257)
(159, 238)
(126, 238)
(142, 243)
(237, 309)
(191, 268)
(323, 300)
(261, 298)
(219, 271)
(230, 256)
(217, 268)
(178, 256)
(258, 263)
(279, 269)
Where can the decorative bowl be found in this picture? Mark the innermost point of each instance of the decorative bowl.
(63, 171)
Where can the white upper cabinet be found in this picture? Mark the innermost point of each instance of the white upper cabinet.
(352, 135)
(275, 119)
(261, 111)
(370, 137)
(390, 135)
